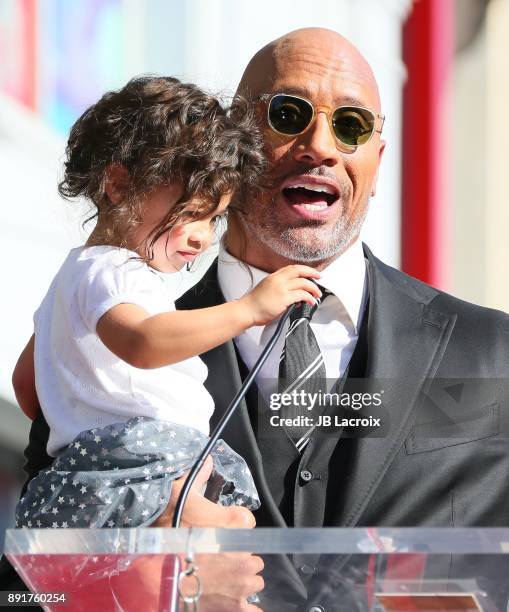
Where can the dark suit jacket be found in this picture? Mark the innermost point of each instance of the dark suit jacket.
(443, 364)
(443, 457)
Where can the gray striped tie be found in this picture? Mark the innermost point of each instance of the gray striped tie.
(301, 368)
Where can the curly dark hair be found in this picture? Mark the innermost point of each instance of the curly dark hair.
(161, 131)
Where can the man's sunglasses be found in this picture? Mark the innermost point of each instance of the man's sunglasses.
(292, 115)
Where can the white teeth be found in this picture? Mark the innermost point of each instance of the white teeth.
(314, 206)
(310, 187)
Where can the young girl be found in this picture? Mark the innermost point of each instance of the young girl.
(112, 364)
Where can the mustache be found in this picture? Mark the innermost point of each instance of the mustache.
(322, 171)
(241, 200)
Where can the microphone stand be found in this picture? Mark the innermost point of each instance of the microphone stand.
(177, 516)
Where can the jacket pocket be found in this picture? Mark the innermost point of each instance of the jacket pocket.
(462, 428)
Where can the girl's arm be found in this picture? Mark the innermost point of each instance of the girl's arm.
(146, 341)
(23, 381)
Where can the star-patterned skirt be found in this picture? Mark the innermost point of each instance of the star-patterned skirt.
(121, 476)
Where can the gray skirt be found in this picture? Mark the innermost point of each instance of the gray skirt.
(121, 476)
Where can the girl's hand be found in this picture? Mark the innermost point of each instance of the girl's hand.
(270, 298)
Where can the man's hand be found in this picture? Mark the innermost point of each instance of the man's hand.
(228, 579)
(201, 512)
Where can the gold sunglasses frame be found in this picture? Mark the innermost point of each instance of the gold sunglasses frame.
(267, 99)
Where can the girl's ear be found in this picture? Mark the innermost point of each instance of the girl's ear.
(117, 182)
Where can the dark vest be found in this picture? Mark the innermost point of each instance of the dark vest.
(299, 483)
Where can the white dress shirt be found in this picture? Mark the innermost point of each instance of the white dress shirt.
(335, 323)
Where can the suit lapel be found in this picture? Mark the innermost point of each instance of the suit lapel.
(406, 342)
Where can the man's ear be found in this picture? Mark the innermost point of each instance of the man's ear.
(117, 182)
(375, 179)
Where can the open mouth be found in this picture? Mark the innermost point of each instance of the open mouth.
(310, 200)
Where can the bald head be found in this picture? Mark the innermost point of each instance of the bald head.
(312, 53)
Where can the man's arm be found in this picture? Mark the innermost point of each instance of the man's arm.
(23, 381)
(228, 579)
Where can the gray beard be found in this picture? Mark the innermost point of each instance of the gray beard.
(307, 243)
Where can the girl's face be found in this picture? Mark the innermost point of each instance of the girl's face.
(183, 243)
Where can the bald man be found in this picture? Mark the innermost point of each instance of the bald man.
(437, 443)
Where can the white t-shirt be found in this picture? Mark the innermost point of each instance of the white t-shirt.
(80, 383)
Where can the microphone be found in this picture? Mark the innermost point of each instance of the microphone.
(228, 414)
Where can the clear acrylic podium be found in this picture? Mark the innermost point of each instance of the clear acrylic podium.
(317, 570)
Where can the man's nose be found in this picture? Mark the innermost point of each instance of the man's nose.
(317, 145)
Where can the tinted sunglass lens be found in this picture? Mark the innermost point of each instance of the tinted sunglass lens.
(353, 126)
(289, 115)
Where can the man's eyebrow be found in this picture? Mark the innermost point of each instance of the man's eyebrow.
(350, 101)
(294, 90)
(340, 101)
